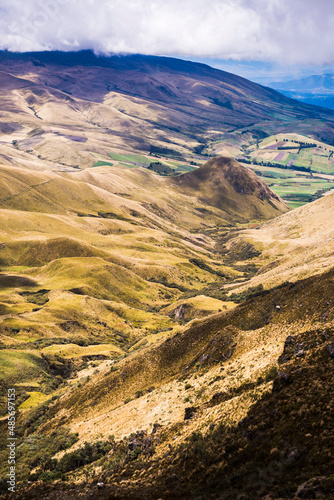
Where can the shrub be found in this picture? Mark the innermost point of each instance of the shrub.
(270, 374)
(251, 292)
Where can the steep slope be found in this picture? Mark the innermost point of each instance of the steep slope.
(225, 184)
(295, 245)
(240, 406)
(157, 79)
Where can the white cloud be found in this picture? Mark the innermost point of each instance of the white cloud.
(285, 31)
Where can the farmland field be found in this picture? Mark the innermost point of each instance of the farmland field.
(131, 158)
(293, 165)
(294, 187)
(299, 151)
(136, 160)
(101, 163)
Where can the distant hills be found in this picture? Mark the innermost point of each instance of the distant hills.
(137, 103)
(315, 89)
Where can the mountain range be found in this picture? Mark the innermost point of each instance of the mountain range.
(167, 320)
(315, 89)
(140, 102)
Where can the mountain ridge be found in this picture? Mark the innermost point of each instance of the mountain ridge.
(316, 89)
(71, 113)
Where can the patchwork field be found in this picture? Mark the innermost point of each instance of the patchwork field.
(294, 187)
(293, 170)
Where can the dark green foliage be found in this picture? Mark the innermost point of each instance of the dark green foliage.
(160, 168)
(251, 292)
(40, 298)
(142, 392)
(252, 161)
(83, 456)
(134, 453)
(51, 469)
(112, 215)
(165, 152)
(214, 290)
(163, 281)
(202, 265)
(249, 270)
(224, 104)
(139, 393)
(37, 450)
(270, 374)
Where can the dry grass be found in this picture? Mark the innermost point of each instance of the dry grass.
(293, 246)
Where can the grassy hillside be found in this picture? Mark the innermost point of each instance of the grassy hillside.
(70, 111)
(94, 258)
(297, 244)
(239, 401)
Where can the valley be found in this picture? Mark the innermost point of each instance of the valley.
(166, 281)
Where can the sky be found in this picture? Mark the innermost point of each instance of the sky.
(253, 37)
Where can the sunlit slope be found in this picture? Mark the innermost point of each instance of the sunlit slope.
(238, 336)
(228, 189)
(251, 386)
(65, 111)
(297, 244)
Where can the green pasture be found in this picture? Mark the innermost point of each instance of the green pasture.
(131, 158)
(296, 188)
(185, 168)
(102, 163)
(19, 366)
(297, 193)
(128, 165)
(136, 160)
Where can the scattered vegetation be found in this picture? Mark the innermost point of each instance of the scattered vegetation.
(36, 450)
(251, 292)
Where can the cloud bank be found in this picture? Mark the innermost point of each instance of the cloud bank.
(283, 31)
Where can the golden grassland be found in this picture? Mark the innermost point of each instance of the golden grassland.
(92, 258)
(137, 264)
(296, 245)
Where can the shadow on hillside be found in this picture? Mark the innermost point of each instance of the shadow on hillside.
(14, 281)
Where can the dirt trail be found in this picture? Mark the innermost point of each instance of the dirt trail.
(25, 190)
